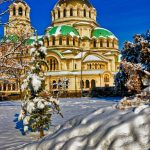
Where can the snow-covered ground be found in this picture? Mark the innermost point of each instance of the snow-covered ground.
(11, 137)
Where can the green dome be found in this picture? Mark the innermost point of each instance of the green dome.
(63, 30)
(10, 38)
(31, 40)
(101, 32)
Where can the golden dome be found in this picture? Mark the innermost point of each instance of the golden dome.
(74, 2)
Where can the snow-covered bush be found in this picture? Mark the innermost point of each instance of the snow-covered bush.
(38, 106)
(134, 71)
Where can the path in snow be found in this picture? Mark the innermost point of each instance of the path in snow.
(12, 139)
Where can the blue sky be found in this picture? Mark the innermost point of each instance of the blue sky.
(123, 17)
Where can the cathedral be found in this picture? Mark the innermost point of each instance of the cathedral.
(78, 48)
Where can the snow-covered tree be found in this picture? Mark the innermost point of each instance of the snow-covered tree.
(38, 105)
(135, 64)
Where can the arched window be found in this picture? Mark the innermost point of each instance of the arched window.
(94, 43)
(74, 42)
(53, 64)
(4, 87)
(82, 84)
(60, 41)
(26, 12)
(64, 12)
(67, 42)
(71, 12)
(14, 87)
(58, 13)
(90, 14)
(0, 87)
(113, 44)
(54, 15)
(53, 40)
(107, 43)
(75, 66)
(87, 84)
(54, 85)
(14, 11)
(93, 84)
(47, 42)
(101, 43)
(78, 12)
(95, 66)
(59, 83)
(84, 12)
(106, 78)
(90, 66)
(20, 11)
(9, 87)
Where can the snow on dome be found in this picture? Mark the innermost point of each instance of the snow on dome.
(92, 58)
(102, 32)
(63, 30)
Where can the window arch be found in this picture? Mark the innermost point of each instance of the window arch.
(14, 11)
(20, 11)
(54, 15)
(53, 64)
(87, 84)
(93, 84)
(84, 12)
(64, 12)
(71, 12)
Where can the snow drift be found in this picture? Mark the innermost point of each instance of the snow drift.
(103, 129)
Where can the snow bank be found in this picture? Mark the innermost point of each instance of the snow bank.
(103, 129)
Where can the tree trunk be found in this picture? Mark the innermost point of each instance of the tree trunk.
(41, 133)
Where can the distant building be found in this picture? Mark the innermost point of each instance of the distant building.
(78, 48)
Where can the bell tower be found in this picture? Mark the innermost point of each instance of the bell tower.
(19, 20)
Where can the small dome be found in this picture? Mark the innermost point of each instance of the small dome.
(31, 40)
(74, 2)
(101, 32)
(63, 30)
(10, 38)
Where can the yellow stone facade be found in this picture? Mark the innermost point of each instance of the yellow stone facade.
(78, 48)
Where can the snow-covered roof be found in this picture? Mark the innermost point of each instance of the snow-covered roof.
(80, 55)
(60, 73)
(92, 58)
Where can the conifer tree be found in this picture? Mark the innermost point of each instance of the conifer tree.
(38, 106)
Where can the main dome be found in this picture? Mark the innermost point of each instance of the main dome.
(102, 32)
(74, 2)
(63, 30)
